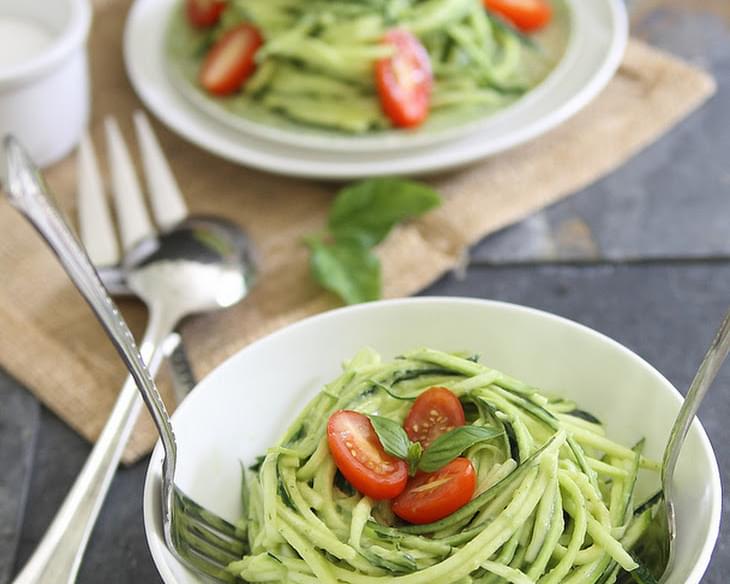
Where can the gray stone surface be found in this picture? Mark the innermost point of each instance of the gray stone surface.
(670, 201)
(118, 548)
(18, 428)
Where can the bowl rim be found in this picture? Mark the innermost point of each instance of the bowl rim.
(155, 540)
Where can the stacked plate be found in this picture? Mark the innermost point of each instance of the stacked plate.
(595, 38)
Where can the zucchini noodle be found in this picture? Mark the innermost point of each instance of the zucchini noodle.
(554, 501)
(316, 65)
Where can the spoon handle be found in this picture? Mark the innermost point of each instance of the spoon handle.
(27, 192)
(702, 381)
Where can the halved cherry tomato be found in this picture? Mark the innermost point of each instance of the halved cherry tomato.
(432, 496)
(231, 60)
(404, 80)
(436, 411)
(527, 15)
(204, 13)
(360, 456)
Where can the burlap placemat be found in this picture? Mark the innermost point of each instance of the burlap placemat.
(51, 343)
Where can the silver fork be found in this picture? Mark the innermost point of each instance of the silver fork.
(199, 538)
(95, 222)
(195, 265)
(96, 227)
(58, 555)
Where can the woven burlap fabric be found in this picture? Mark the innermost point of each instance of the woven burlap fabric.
(50, 342)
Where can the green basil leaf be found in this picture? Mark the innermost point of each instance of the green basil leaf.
(452, 444)
(367, 210)
(415, 451)
(346, 268)
(361, 216)
(392, 436)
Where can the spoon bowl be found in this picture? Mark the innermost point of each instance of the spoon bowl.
(201, 264)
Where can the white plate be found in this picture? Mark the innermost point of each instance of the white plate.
(439, 127)
(598, 38)
(243, 406)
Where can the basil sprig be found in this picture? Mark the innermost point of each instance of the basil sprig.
(361, 216)
(453, 443)
(440, 452)
(392, 436)
(415, 451)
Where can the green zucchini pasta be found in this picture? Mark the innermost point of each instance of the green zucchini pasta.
(316, 65)
(554, 499)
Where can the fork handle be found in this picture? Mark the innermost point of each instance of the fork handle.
(57, 558)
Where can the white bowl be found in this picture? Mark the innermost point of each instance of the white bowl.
(44, 101)
(243, 406)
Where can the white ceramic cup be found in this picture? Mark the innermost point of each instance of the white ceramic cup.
(44, 100)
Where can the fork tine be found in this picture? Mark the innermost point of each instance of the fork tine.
(203, 540)
(134, 221)
(199, 513)
(206, 544)
(209, 527)
(222, 549)
(197, 560)
(168, 205)
(95, 221)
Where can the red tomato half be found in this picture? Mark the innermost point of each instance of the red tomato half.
(436, 411)
(527, 15)
(231, 60)
(204, 13)
(360, 456)
(432, 496)
(404, 80)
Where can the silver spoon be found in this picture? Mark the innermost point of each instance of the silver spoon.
(199, 265)
(711, 363)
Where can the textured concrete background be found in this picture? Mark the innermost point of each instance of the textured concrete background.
(642, 255)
